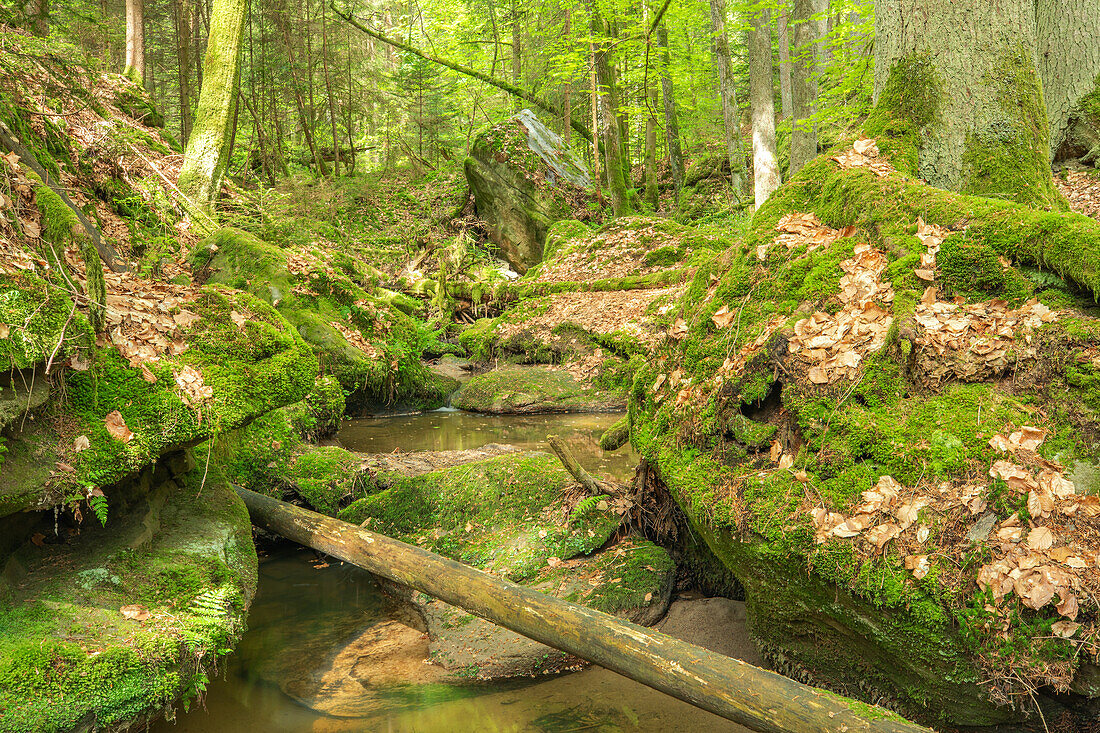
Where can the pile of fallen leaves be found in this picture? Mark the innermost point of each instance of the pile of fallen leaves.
(618, 252)
(834, 345)
(864, 154)
(1082, 191)
(803, 229)
(356, 339)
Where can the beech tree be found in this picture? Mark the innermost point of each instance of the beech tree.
(765, 159)
(968, 79)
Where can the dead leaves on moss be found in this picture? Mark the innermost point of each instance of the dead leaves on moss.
(972, 341)
(864, 153)
(835, 345)
(356, 339)
(798, 229)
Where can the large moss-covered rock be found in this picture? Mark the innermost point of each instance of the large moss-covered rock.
(506, 515)
(119, 414)
(523, 177)
(841, 422)
(113, 624)
(525, 390)
(371, 347)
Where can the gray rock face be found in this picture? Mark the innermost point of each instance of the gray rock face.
(521, 174)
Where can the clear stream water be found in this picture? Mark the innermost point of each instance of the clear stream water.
(300, 600)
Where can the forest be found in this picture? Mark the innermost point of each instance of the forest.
(539, 365)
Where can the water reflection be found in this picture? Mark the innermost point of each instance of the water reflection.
(302, 606)
(456, 430)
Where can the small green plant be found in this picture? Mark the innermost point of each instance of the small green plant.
(98, 504)
(585, 507)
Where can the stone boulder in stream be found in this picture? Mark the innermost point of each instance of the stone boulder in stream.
(510, 515)
(523, 179)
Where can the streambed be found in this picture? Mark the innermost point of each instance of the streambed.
(307, 609)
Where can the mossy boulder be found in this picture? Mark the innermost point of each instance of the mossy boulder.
(522, 177)
(525, 390)
(769, 444)
(116, 415)
(372, 348)
(506, 515)
(112, 625)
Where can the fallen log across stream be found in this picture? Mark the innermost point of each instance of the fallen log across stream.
(735, 690)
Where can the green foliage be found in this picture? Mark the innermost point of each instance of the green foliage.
(586, 507)
(99, 506)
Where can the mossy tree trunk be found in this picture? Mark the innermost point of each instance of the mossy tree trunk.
(208, 148)
(608, 120)
(37, 14)
(962, 78)
(783, 41)
(765, 159)
(1068, 36)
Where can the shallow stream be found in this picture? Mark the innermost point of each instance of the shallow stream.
(306, 607)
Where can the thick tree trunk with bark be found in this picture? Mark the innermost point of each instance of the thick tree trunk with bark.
(672, 124)
(184, 19)
(765, 159)
(208, 149)
(728, 92)
(1068, 49)
(37, 14)
(964, 76)
(135, 40)
(803, 84)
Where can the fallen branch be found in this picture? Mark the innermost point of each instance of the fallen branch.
(756, 698)
(499, 84)
(575, 469)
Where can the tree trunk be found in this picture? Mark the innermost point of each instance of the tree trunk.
(803, 85)
(567, 101)
(786, 98)
(299, 100)
(135, 41)
(1068, 35)
(517, 50)
(765, 159)
(608, 120)
(328, 93)
(37, 13)
(728, 92)
(651, 153)
(672, 125)
(728, 687)
(961, 78)
(184, 30)
(208, 149)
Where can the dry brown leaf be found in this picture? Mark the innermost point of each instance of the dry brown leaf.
(238, 319)
(1065, 629)
(135, 612)
(116, 426)
(723, 317)
(1040, 538)
(81, 443)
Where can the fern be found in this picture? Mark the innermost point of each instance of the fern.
(99, 506)
(585, 507)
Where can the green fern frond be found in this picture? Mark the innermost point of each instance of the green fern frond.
(585, 507)
(99, 506)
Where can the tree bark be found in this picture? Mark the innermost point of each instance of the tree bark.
(208, 149)
(37, 14)
(135, 41)
(733, 689)
(803, 85)
(786, 98)
(964, 75)
(1068, 51)
(567, 88)
(517, 50)
(765, 159)
(608, 120)
(672, 124)
(328, 93)
(728, 92)
(184, 30)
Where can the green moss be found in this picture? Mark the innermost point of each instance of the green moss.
(975, 271)
(1010, 159)
(513, 389)
(908, 105)
(617, 435)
